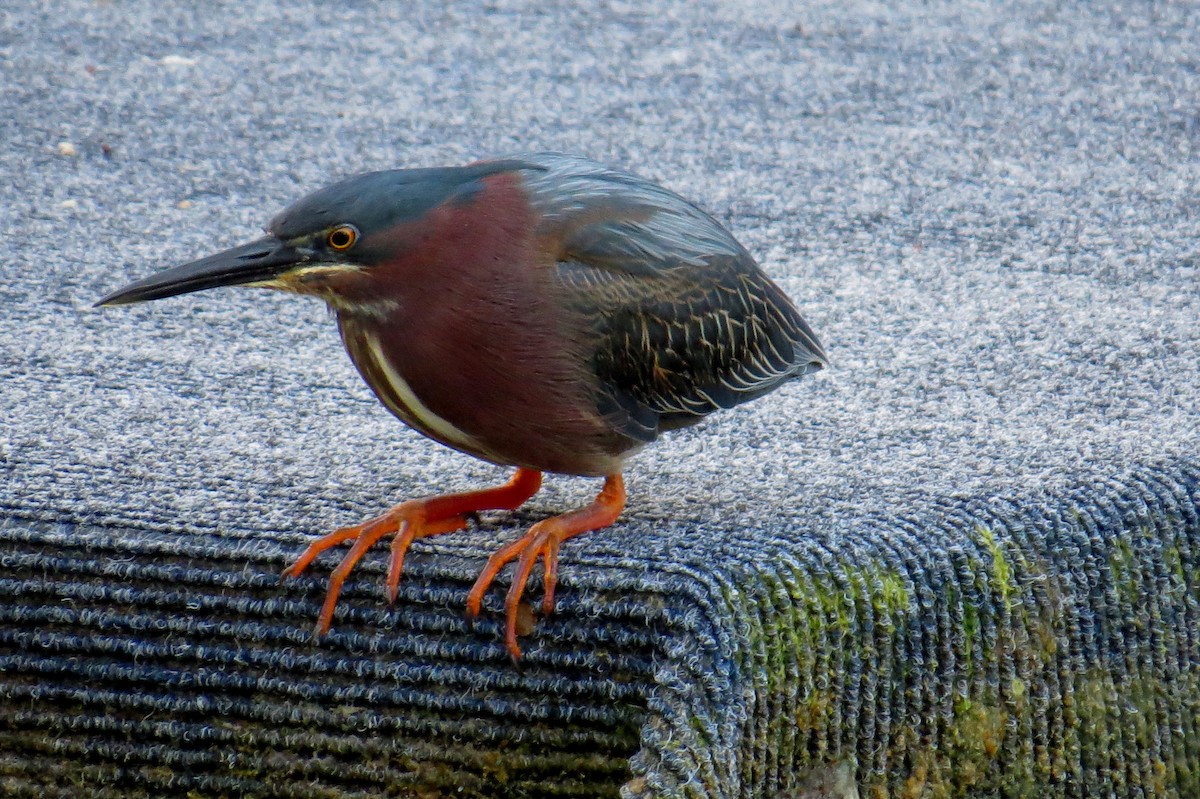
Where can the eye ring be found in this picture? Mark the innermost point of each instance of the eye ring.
(342, 237)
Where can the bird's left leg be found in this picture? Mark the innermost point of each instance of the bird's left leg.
(409, 521)
(542, 541)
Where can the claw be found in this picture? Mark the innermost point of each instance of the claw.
(408, 521)
(422, 518)
(542, 542)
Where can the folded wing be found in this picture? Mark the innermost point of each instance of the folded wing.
(683, 320)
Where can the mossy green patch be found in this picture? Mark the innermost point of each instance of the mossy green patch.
(1122, 561)
(1022, 718)
(1002, 576)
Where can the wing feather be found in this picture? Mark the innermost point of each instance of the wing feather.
(682, 320)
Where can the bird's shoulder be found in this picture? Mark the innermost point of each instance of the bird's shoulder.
(609, 218)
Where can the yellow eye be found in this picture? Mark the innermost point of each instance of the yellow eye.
(343, 237)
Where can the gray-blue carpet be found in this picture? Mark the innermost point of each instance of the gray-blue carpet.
(962, 562)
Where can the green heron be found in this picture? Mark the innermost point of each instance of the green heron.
(537, 311)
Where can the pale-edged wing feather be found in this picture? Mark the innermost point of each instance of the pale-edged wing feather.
(683, 321)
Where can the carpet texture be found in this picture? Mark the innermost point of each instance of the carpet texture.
(962, 562)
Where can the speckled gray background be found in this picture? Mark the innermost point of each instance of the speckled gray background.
(989, 216)
(988, 213)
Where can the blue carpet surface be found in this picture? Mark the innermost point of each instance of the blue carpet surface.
(964, 561)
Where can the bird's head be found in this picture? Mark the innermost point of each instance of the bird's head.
(333, 242)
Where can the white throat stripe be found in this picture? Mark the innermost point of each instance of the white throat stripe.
(412, 405)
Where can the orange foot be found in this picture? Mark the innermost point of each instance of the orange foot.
(541, 541)
(422, 518)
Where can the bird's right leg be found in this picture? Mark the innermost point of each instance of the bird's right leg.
(409, 521)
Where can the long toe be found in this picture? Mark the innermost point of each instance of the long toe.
(408, 521)
(542, 542)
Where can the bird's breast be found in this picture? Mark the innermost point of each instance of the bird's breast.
(480, 349)
(393, 390)
(498, 397)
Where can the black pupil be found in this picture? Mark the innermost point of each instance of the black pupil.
(340, 238)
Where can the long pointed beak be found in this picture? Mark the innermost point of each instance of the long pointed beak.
(259, 260)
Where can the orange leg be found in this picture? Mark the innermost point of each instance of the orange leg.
(408, 521)
(541, 541)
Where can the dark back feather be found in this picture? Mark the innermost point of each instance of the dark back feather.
(683, 321)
